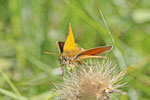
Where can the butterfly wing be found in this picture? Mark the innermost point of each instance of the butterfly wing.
(92, 53)
(60, 46)
(70, 41)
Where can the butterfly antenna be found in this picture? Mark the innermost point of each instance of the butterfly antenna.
(51, 53)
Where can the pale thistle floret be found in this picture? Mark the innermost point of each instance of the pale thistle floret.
(95, 81)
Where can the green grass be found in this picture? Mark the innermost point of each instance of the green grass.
(30, 27)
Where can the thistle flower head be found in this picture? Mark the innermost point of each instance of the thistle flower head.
(91, 82)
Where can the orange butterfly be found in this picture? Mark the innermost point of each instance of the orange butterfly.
(70, 53)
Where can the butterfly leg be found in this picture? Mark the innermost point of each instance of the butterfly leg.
(74, 63)
(86, 63)
(81, 62)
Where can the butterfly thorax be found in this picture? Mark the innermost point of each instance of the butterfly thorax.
(73, 52)
(67, 57)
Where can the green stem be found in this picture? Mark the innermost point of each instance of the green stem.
(10, 82)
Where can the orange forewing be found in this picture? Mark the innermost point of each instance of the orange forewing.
(69, 48)
(92, 53)
(70, 41)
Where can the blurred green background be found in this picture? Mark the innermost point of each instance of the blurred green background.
(30, 27)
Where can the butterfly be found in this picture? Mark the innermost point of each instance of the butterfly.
(71, 54)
